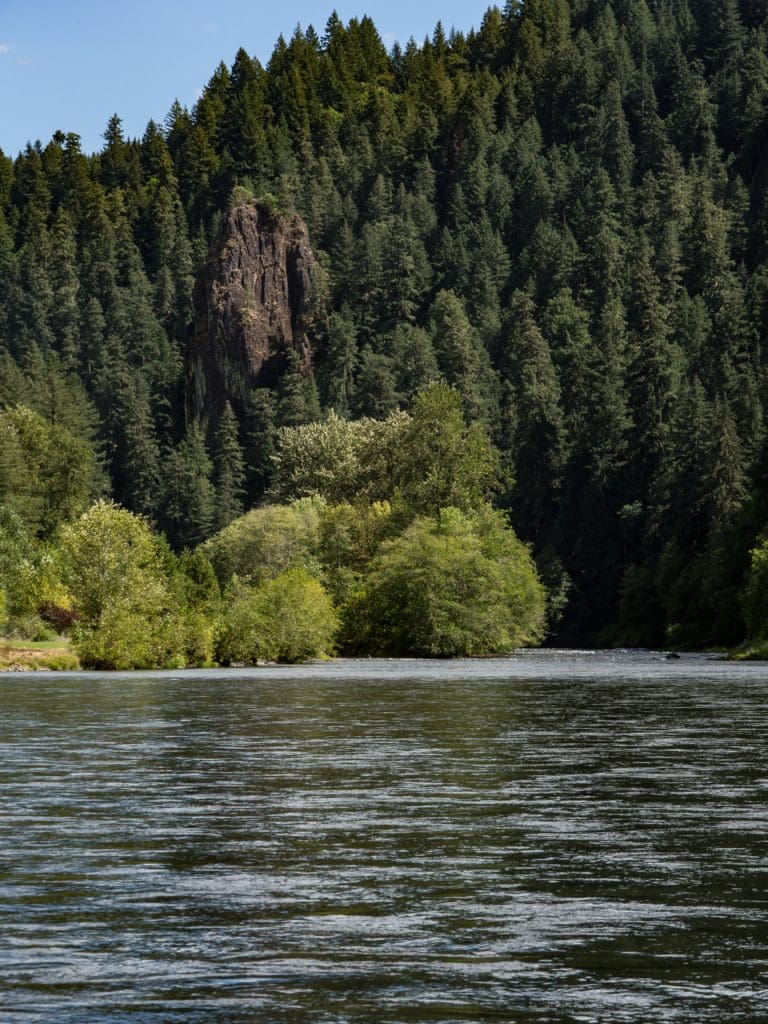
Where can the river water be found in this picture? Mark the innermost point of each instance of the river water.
(553, 837)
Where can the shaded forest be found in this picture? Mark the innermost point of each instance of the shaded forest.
(563, 215)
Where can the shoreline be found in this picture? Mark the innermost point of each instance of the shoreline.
(544, 662)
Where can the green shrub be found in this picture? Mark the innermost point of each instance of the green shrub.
(16, 553)
(461, 584)
(349, 537)
(121, 637)
(198, 636)
(267, 541)
(61, 661)
(341, 460)
(289, 618)
(115, 570)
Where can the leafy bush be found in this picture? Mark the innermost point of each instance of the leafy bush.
(30, 579)
(349, 537)
(342, 460)
(461, 584)
(116, 573)
(16, 551)
(289, 618)
(432, 458)
(109, 556)
(125, 636)
(267, 541)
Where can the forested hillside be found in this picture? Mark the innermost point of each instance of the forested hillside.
(563, 214)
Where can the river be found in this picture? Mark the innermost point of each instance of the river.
(553, 837)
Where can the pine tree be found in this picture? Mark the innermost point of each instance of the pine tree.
(229, 474)
(188, 504)
(461, 356)
(339, 364)
(65, 314)
(539, 442)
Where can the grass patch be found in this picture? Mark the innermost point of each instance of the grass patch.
(750, 652)
(45, 655)
(59, 643)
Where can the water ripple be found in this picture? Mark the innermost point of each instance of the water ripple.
(549, 838)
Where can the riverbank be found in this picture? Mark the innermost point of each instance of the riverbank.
(58, 656)
(750, 652)
(45, 656)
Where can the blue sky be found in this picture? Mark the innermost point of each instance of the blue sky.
(71, 65)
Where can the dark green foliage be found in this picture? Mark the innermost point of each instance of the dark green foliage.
(188, 509)
(562, 215)
(46, 473)
(229, 471)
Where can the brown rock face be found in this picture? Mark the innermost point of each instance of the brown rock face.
(250, 300)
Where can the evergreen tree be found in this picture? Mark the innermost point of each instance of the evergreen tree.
(229, 475)
(562, 214)
(534, 422)
(188, 504)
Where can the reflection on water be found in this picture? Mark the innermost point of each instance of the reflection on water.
(548, 838)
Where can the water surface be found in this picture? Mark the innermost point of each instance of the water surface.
(548, 838)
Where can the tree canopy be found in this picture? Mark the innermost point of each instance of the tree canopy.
(554, 227)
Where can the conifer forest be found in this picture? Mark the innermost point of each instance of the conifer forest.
(527, 297)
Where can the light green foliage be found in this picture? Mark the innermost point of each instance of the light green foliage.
(26, 576)
(431, 458)
(288, 618)
(39, 589)
(331, 542)
(130, 615)
(461, 584)
(16, 546)
(46, 472)
(350, 534)
(127, 635)
(338, 459)
(196, 581)
(755, 597)
(197, 598)
(110, 554)
(267, 541)
(441, 461)
(349, 537)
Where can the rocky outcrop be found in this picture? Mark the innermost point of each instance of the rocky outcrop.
(250, 302)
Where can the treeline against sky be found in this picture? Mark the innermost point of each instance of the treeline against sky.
(564, 215)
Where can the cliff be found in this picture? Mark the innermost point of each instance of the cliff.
(250, 301)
